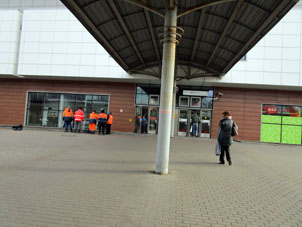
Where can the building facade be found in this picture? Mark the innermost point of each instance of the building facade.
(49, 61)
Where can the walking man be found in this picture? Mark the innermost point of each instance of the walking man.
(78, 118)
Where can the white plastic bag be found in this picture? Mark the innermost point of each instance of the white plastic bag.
(218, 149)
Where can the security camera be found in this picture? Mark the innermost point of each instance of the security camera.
(219, 94)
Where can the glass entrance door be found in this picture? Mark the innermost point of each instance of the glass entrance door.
(141, 119)
(153, 121)
(182, 123)
(205, 124)
(201, 117)
(195, 123)
(146, 119)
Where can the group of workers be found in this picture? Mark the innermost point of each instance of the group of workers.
(103, 120)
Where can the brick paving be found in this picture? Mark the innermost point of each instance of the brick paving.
(52, 178)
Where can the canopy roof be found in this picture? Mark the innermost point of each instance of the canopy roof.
(214, 39)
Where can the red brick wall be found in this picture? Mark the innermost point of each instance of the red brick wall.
(245, 107)
(13, 98)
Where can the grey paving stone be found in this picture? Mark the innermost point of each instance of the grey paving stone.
(51, 178)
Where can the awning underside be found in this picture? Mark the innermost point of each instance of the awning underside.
(214, 38)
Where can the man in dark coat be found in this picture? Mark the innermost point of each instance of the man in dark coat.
(224, 136)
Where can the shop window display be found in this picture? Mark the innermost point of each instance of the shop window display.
(46, 109)
(281, 124)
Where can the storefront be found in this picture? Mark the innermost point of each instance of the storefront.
(189, 100)
(281, 124)
(46, 109)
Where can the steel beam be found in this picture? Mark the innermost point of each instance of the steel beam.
(124, 27)
(197, 37)
(145, 6)
(151, 31)
(203, 5)
(226, 29)
(272, 16)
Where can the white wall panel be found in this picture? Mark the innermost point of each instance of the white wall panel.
(255, 53)
(292, 29)
(238, 76)
(291, 53)
(44, 59)
(254, 77)
(255, 65)
(272, 78)
(272, 52)
(272, 66)
(24, 4)
(10, 24)
(291, 41)
(273, 40)
(57, 70)
(65, 47)
(101, 71)
(41, 69)
(290, 66)
(290, 79)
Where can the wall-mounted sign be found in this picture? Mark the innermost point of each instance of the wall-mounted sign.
(195, 93)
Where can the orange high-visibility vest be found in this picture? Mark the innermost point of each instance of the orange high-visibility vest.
(110, 119)
(79, 115)
(93, 115)
(67, 113)
(102, 117)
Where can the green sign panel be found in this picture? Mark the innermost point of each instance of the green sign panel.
(270, 133)
(291, 134)
(292, 120)
(271, 119)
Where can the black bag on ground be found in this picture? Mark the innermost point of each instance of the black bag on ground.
(18, 127)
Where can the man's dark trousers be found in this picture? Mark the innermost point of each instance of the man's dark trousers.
(102, 127)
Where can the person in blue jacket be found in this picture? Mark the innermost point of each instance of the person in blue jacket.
(144, 124)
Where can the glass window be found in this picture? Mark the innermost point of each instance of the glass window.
(51, 110)
(142, 99)
(211, 93)
(69, 100)
(183, 101)
(142, 96)
(46, 109)
(98, 104)
(35, 108)
(207, 103)
(195, 102)
(154, 100)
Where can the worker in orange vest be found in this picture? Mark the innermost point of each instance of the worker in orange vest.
(68, 118)
(93, 117)
(102, 122)
(109, 123)
(78, 118)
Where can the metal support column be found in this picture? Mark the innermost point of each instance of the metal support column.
(173, 109)
(166, 93)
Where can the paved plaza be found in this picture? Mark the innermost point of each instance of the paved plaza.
(52, 178)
